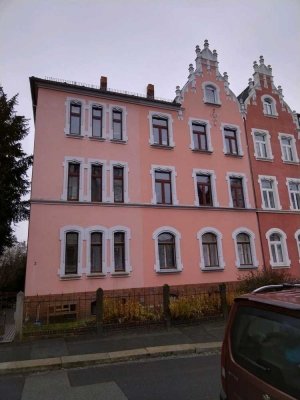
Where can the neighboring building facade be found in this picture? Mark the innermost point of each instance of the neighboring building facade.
(274, 154)
(130, 191)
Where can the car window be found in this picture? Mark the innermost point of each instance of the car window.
(267, 344)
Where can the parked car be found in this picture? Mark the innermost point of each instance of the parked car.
(261, 348)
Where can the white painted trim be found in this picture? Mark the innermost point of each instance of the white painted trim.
(67, 160)
(275, 191)
(238, 137)
(177, 236)
(164, 168)
(297, 237)
(208, 134)
(219, 237)
(62, 237)
(286, 261)
(124, 121)
(213, 178)
(293, 147)
(251, 235)
(68, 102)
(267, 142)
(124, 165)
(217, 92)
(166, 116)
(90, 127)
(273, 105)
(288, 181)
(95, 161)
(245, 187)
(111, 231)
(88, 232)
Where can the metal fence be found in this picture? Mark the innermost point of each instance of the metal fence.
(106, 310)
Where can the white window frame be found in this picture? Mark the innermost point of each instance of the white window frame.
(292, 193)
(219, 246)
(217, 92)
(273, 105)
(78, 160)
(208, 134)
(244, 178)
(170, 127)
(286, 261)
(213, 178)
(125, 167)
(62, 237)
(124, 122)
(92, 104)
(177, 236)
(128, 267)
(238, 138)
(275, 191)
(251, 235)
(96, 161)
(164, 168)
(88, 232)
(293, 148)
(68, 102)
(267, 136)
(297, 237)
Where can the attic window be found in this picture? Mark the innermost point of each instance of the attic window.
(210, 94)
(268, 106)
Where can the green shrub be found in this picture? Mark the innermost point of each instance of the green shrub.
(194, 306)
(263, 277)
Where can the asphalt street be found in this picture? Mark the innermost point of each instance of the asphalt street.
(187, 378)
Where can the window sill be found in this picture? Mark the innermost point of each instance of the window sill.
(212, 269)
(271, 115)
(70, 277)
(162, 146)
(96, 275)
(212, 104)
(246, 267)
(202, 151)
(97, 139)
(264, 159)
(280, 266)
(69, 135)
(233, 155)
(168, 271)
(291, 162)
(120, 274)
(118, 141)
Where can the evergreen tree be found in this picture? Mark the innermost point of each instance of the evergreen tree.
(14, 164)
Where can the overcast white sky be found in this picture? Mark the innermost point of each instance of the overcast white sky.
(136, 42)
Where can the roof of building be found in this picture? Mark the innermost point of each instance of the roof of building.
(244, 94)
(96, 91)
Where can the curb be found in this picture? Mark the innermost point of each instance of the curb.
(83, 360)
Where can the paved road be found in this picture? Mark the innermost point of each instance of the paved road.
(186, 378)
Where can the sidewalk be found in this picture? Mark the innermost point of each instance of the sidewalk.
(111, 347)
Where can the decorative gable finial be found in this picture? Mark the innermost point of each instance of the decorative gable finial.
(191, 69)
(225, 76)
(280, 90)
(255, 66)
(206, 44)
(261, 60)
(215, 53)
(198, 51)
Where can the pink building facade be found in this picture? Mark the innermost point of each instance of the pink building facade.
(129, 191)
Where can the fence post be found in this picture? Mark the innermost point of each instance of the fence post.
(99, 310)
(223, 298)
(166, 305)
(18, 316)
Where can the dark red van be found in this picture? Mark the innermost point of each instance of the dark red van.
(261, 349)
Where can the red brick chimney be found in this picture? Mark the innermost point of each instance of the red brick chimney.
(103, 83)
(150, 91)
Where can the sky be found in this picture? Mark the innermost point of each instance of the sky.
(136, 42)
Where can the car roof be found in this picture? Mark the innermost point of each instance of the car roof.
(286, 298)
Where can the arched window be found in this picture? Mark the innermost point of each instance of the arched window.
(268, 106)
(210, 250)
(244, 249)
(96, 252)
(210, 94)
(120, 250)
(167, 251)
(278, 248)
